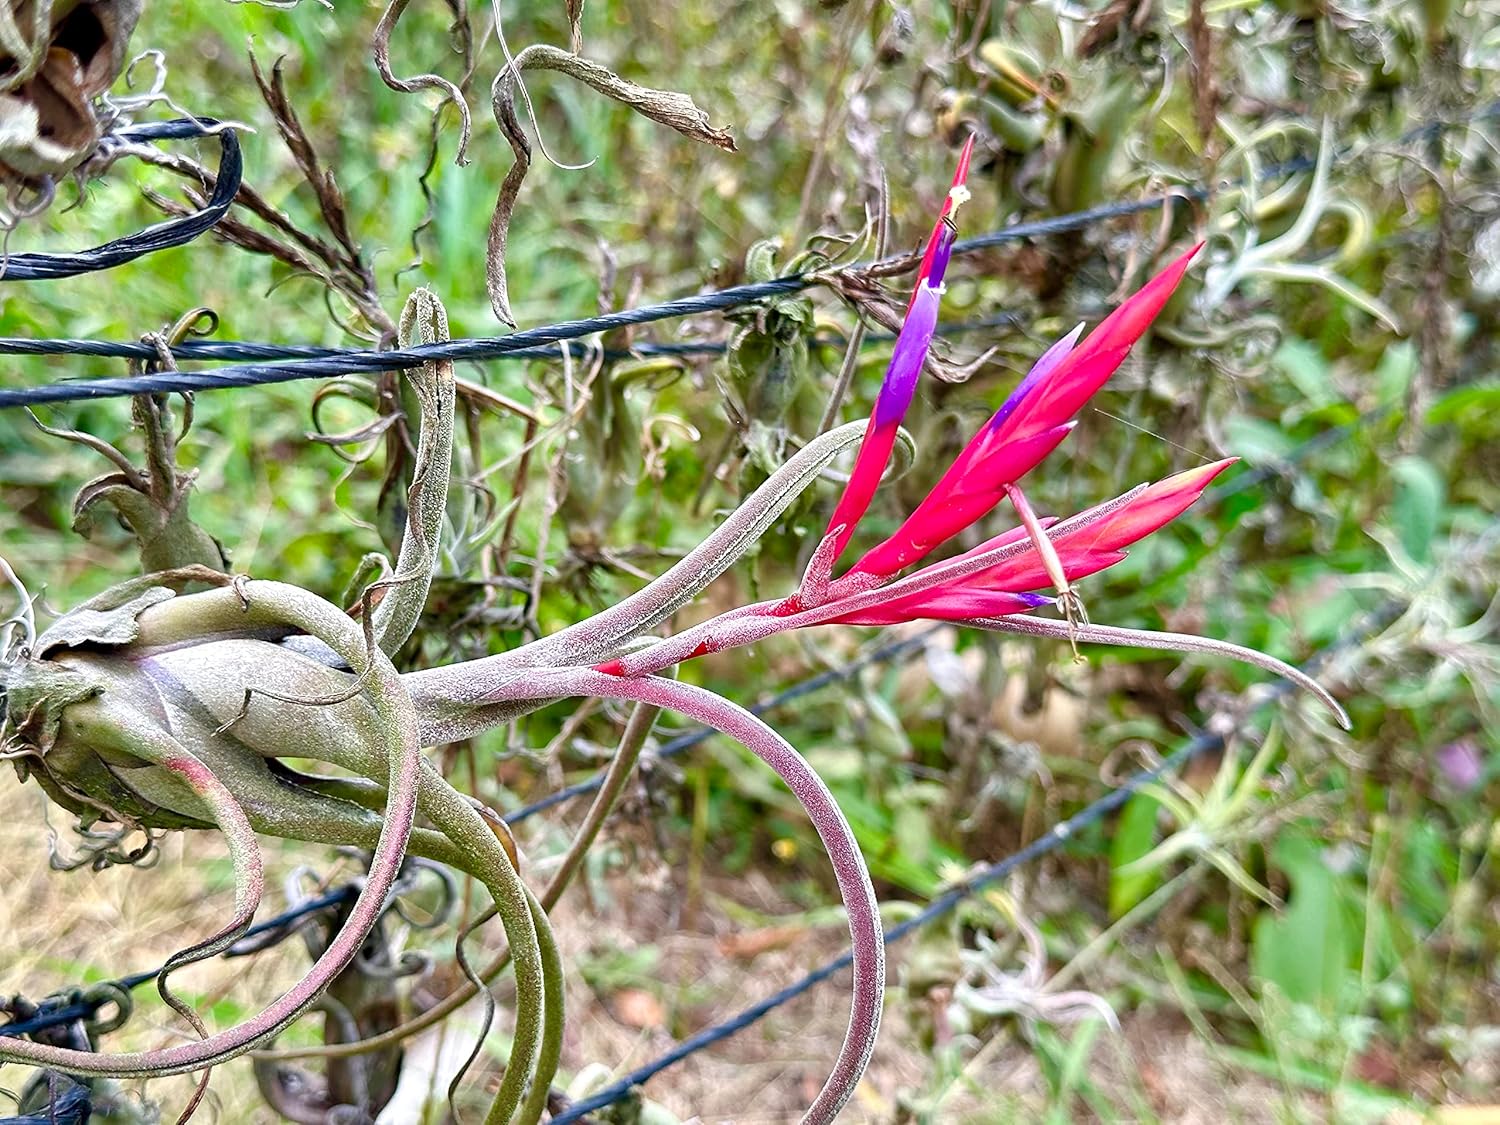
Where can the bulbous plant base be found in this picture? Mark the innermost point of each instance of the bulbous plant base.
(152, 708)
(145, 706)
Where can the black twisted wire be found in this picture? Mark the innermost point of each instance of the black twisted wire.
(321, 363)
(238, 349)
(72, 1106)
(158, 236)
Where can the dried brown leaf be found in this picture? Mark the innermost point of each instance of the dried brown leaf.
(1108, 23)
(637, 1008)
(752, 943)
(330, 198)
(382, 47)
(677, 111)
(231, 230)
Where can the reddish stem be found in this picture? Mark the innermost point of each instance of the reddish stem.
(848, 864)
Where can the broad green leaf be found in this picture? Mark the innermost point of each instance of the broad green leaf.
(1394, 372)
(1135, 833)
(1259, 442)
(1306, 368)
(837, 763)
(913, 834)
(1417, 505)
(1324, 614)
(1480, 398)
(1308, 949)
(1429, 874)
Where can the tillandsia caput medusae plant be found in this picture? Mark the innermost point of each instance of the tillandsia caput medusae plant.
(161, 704)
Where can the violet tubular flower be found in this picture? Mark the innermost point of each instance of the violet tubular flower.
(900, 383)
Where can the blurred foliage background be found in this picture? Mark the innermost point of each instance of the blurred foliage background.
(1305, 927)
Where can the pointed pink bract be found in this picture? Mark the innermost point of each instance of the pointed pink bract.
(1056, 398)
(1095, 546)
(1028, 426)
(968, 492)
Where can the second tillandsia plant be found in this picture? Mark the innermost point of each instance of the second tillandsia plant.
(157, 707)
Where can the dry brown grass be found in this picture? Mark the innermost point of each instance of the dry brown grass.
(63, 927)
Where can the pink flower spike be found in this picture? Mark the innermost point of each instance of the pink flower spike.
(907, 360)
(1043, 367)
(1026, 428)
(1157, 506)
(1086, 543)
(958, 194)
(1015, 534)
(1040, 403)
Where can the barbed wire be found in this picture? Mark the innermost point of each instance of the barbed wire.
(158, 236)
(1060, 833)
(314, 362)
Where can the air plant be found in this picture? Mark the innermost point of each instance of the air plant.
(1274, 259)
(1211, 823)
(155, 707)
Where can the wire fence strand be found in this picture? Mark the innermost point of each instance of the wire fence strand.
(238, 350)
(282, 363)
(158, 236)
(308, 362)
(330, 363)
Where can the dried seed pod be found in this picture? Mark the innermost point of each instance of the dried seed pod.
(47, 121)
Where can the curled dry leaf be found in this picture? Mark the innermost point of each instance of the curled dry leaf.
(382, 47)
(637, 1008)
(678, 111)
